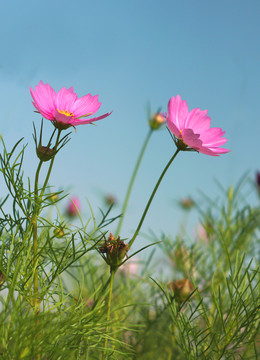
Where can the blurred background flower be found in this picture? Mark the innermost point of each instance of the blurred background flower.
(73, 207)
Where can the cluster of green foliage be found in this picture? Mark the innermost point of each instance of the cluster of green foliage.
(210, 309)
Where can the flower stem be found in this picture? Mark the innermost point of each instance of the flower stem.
(35, 240)
(131, 183)
(151, 198)
(37, 204)
(36, 301)
(112, 274)
(37, 199)
(51, 164)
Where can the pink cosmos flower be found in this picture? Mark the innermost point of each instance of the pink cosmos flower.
(192, 129)
(64, 108)
(129, 268)
(73, 207)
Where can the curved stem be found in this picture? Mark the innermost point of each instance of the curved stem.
(105, 355)
(131, 183)
(151, 198)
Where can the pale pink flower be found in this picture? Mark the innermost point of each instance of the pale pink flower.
(192, 129)
(129, 267)
(73, 207)
(201, 234)
(64, 108)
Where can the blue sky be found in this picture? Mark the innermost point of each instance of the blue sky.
(132, 53)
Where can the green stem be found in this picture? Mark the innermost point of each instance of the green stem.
(105, 355)
(51, 164)
(37, 199)
(131, 183)
(35, 243)
(151, 198)
(101, 293)
(37, 204)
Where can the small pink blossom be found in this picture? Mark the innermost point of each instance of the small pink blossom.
(201, 234)
(64, 108)
(73, 207)
(129, 267)
(192, 129)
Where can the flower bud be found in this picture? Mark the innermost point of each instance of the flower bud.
(59, 232)
(129, 268)
(186, 203)
(44, 153)
(114, 251)
(110, 200)
(156, 121)
(181, 288)
(73, 207)
(53, 197)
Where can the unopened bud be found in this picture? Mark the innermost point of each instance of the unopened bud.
(181, 288)
(186, 203)
(53, 197)
(59, 232)
(44, 153)
(156, 121)
(110, 200)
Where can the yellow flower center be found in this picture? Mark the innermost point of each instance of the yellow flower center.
(65, 112)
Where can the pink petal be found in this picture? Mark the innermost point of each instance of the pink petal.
(65, 99)
(172, 127)
(212, 135)
(219, 150)
(62, 118)
(198, 121)
(207, 151)
(88, 121)
(191, 139)
(44, 97)
(215, 143)
(47, 115)
(178, 112)
(85, 105)
(213, 151)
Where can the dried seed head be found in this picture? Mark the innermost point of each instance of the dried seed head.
(114, 250)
